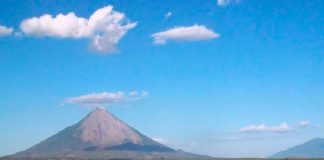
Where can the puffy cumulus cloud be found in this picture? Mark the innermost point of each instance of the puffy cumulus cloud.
(224, 3)
(191, 33)
(105, 98)
(62, 26)
(105, 27)
(284, 127)
(5, 31)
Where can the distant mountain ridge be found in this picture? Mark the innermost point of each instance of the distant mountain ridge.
(100, 134)
(313, 148)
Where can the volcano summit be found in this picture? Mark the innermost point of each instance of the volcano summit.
(100, 135)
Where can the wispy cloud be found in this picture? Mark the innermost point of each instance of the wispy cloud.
(168, 15)
(191, 33)
(105, 27)
(160, 140)
(303, 124)
(282, 128)
(5, 31)
(229, 138)
(105, 98)
(224, 3)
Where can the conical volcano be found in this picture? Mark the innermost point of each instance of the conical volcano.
(100, 128)
(102, 135)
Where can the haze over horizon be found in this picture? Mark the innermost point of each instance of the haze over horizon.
(225, 78)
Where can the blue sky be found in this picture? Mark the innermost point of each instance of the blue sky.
(237, 79)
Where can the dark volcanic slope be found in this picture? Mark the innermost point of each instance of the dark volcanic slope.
(101, 135)
(310, 149)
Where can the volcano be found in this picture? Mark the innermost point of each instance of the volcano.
(101, 135)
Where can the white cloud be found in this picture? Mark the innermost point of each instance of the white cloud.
(105, 27)
(303, 124)
(5, 31)
(191, 33)
(163, 141)
(160, 140)
(133, 93)
(224, 3)
(284, 127)
(168, 15)
(105, 98)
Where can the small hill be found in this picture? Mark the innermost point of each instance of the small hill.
(310, 149)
